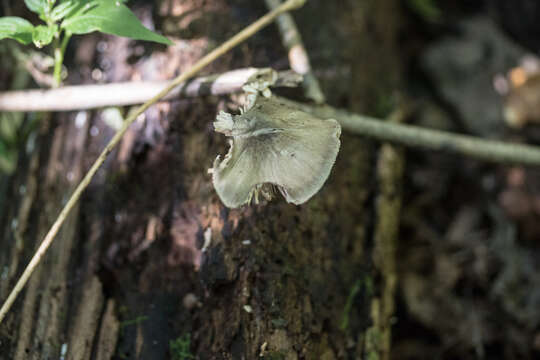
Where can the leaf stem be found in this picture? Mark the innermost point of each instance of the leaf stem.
(59, 51)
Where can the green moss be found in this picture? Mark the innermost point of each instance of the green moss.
(427, 9)
(373, 343)
(137, 320)
(180, 348)
(365, 283)
(385, 105)
(279, 323)
(274, 355)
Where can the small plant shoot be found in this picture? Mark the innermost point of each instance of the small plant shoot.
(63, 18)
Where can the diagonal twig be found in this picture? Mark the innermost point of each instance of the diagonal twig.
(207, 59)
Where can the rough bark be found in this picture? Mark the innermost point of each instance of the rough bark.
(152, 266)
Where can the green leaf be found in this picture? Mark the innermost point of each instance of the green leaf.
(43, 35)
(81, 8)
(37, 6)
(111, 17)
(65, 9)
(17, 28)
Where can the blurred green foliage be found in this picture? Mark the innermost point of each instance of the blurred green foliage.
(9, 126)
(179, 348)
(14, 127)
(426, 9)
(14, 131)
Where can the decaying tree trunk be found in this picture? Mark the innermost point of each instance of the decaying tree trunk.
(151, 265)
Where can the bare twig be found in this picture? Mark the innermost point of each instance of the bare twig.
(81, 97)
(415, 136)
(390, 169)
(298, 57)
(207, 59)
(39, 77)
(36, 63)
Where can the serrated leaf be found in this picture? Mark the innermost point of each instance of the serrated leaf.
(17, 28)
(112, 17)
(43, 35)
(37, 6)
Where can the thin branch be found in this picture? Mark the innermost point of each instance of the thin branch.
(414, 136)
(34, 62)
(298, 57)
(92, 96)
(82, 97)
(207, 59)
